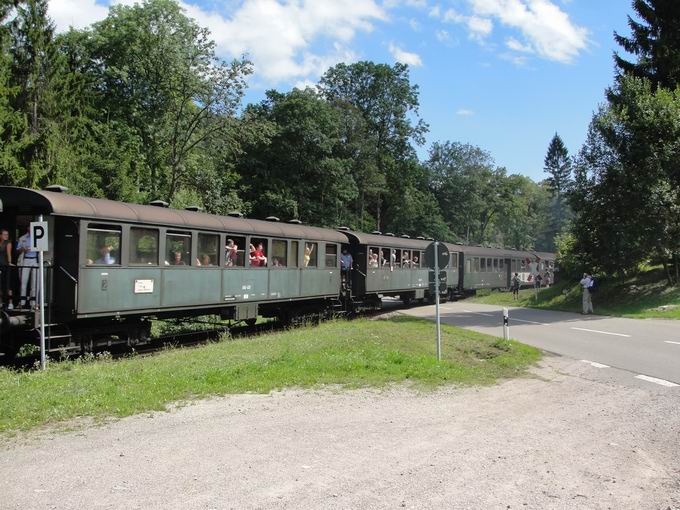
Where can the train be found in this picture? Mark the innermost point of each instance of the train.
(111, 268)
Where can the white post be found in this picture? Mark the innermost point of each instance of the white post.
(41, 277)
(436, 300)
(506, 324)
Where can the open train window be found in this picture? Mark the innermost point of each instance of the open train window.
(483, 266)
(208, 250)
(453, 260)
(310, 254)
(258, 252)
(396, 258)
(489, 265)
(385, 257)
(235, 251)
(477, 264)
(416, 259)
(279, 253)
(495, 265)
(103, 245)
(468, 266)
(144, 246)
(177, 249)
(331, 255)
(406, 259)
(501, 265)
(373, 257)
(294, 253)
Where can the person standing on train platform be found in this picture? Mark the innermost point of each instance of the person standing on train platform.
(586, 282)
(29, 267)
(346, 263)
(6, 269)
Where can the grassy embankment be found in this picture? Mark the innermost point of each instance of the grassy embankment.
(351, 354)
(640, 297)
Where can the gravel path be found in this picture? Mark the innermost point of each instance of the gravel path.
(566, 438)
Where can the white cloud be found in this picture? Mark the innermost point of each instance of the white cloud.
(415, 26)
(515, 45)
(435, 12)
(547, 29)
(478, 27)
(75, 13)
(277, 35)
(464, 112)
(517, 60)
(442, 35)
(405, 57)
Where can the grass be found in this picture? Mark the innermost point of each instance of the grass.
(639, 297)
(352, 354)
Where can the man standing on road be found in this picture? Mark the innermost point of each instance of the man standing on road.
(586, 282)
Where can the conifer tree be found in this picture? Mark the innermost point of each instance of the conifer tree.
(655, 41)
(558, 166)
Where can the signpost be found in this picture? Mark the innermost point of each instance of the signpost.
(436, 258)
(40, 243)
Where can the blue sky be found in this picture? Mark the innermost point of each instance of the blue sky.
(501, 74)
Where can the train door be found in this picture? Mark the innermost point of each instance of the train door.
(64, 276)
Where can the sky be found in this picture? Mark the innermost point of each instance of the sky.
(505, 75)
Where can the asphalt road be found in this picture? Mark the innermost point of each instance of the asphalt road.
(646, 348)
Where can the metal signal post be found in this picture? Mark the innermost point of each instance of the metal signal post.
(436, 301)
(39, 243)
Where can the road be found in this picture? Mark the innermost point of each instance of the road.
(648, 349)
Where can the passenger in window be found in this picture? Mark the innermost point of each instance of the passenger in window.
(177, 260)
(231, 253)
(405, 262)
(276, 262)
(257, 256)
(309, 248)
(105, 256)
(205, 260)
(414, 262)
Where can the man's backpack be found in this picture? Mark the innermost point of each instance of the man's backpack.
(593, 285)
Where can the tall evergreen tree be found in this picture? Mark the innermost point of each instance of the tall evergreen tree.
(558, 166)
(655, 41)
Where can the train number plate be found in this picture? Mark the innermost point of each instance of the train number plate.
(143, 286)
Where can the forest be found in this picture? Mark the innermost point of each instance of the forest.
(139, 107)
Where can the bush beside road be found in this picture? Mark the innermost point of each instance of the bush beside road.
(646, 295)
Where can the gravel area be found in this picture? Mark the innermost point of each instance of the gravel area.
(564, 438)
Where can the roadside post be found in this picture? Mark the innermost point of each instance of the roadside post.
(437, 258)
(506, 324)
(40, 243)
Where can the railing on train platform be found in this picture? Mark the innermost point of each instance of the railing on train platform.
(23, 282)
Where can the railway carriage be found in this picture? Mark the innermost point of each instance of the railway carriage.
(113, 265)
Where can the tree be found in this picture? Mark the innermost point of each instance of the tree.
(558, 166)
(655, 40)
(387, 103)
(158, 73)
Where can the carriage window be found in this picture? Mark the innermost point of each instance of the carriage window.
(406, 259)
(235, 251)
(489, 265)
(523, 265)
(477, 264)
(258, 252)
(453, 263)
(144, 246)
(208, 250)
(331, 255)
(177, 249)
(495, 265)
(513, 266)
(373, 257)
(385, 258)
(468, 266)
(310, 255)
(396, 258)
(417, 258)
(483, 267)
(279, 253)
(103, 245)
(294, 247)
(501, 264)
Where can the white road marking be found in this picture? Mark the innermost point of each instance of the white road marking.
(479, 313)
(662, 382)
(595, 364)
(603, 332)
(530, 322)
(672, 342)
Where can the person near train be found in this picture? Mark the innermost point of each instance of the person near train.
(346, 263)
(29, 266)
(586, 282)
(514, 285)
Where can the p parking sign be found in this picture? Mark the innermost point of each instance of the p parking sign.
(39, 236)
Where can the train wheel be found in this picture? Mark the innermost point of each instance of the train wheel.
(251, 322)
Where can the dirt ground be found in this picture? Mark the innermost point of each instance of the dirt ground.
(570, 436)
